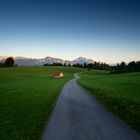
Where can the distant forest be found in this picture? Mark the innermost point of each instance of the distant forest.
(133, 66)
(96, 65)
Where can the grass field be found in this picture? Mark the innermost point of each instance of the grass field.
(120, 93)
(27, 95)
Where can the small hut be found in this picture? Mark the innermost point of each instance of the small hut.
(58, 74)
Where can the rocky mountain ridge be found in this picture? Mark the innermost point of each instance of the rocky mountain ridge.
(23, 61)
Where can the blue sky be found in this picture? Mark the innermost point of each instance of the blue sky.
(104, 30)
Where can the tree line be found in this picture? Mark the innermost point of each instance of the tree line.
(96, 65)
(54, 64)
(133, 66)
(9, 62)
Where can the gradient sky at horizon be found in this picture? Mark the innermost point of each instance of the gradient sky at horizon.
(104, 30)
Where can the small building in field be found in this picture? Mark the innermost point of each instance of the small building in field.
(58, 74)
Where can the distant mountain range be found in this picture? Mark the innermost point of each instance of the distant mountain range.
(23, 61)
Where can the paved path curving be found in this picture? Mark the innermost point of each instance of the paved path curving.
(78, 116)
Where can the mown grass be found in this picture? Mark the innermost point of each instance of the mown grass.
(27, 95)
(120, 93)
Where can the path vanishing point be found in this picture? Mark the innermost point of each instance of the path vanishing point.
(78, 116)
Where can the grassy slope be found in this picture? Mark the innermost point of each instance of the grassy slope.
(27, 95)
(119, 92)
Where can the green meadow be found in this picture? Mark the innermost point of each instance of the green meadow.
(27, 96)
(120, 93)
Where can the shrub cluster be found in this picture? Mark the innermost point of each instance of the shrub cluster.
(9, 62)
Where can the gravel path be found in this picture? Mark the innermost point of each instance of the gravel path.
(78, 116)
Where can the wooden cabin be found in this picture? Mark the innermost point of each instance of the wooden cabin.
(58, 74)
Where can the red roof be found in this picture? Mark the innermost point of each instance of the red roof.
(57, 73)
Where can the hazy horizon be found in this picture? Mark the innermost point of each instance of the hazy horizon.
(106, 31)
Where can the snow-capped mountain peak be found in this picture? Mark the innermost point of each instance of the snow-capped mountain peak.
(23, 61)
(82, 61)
